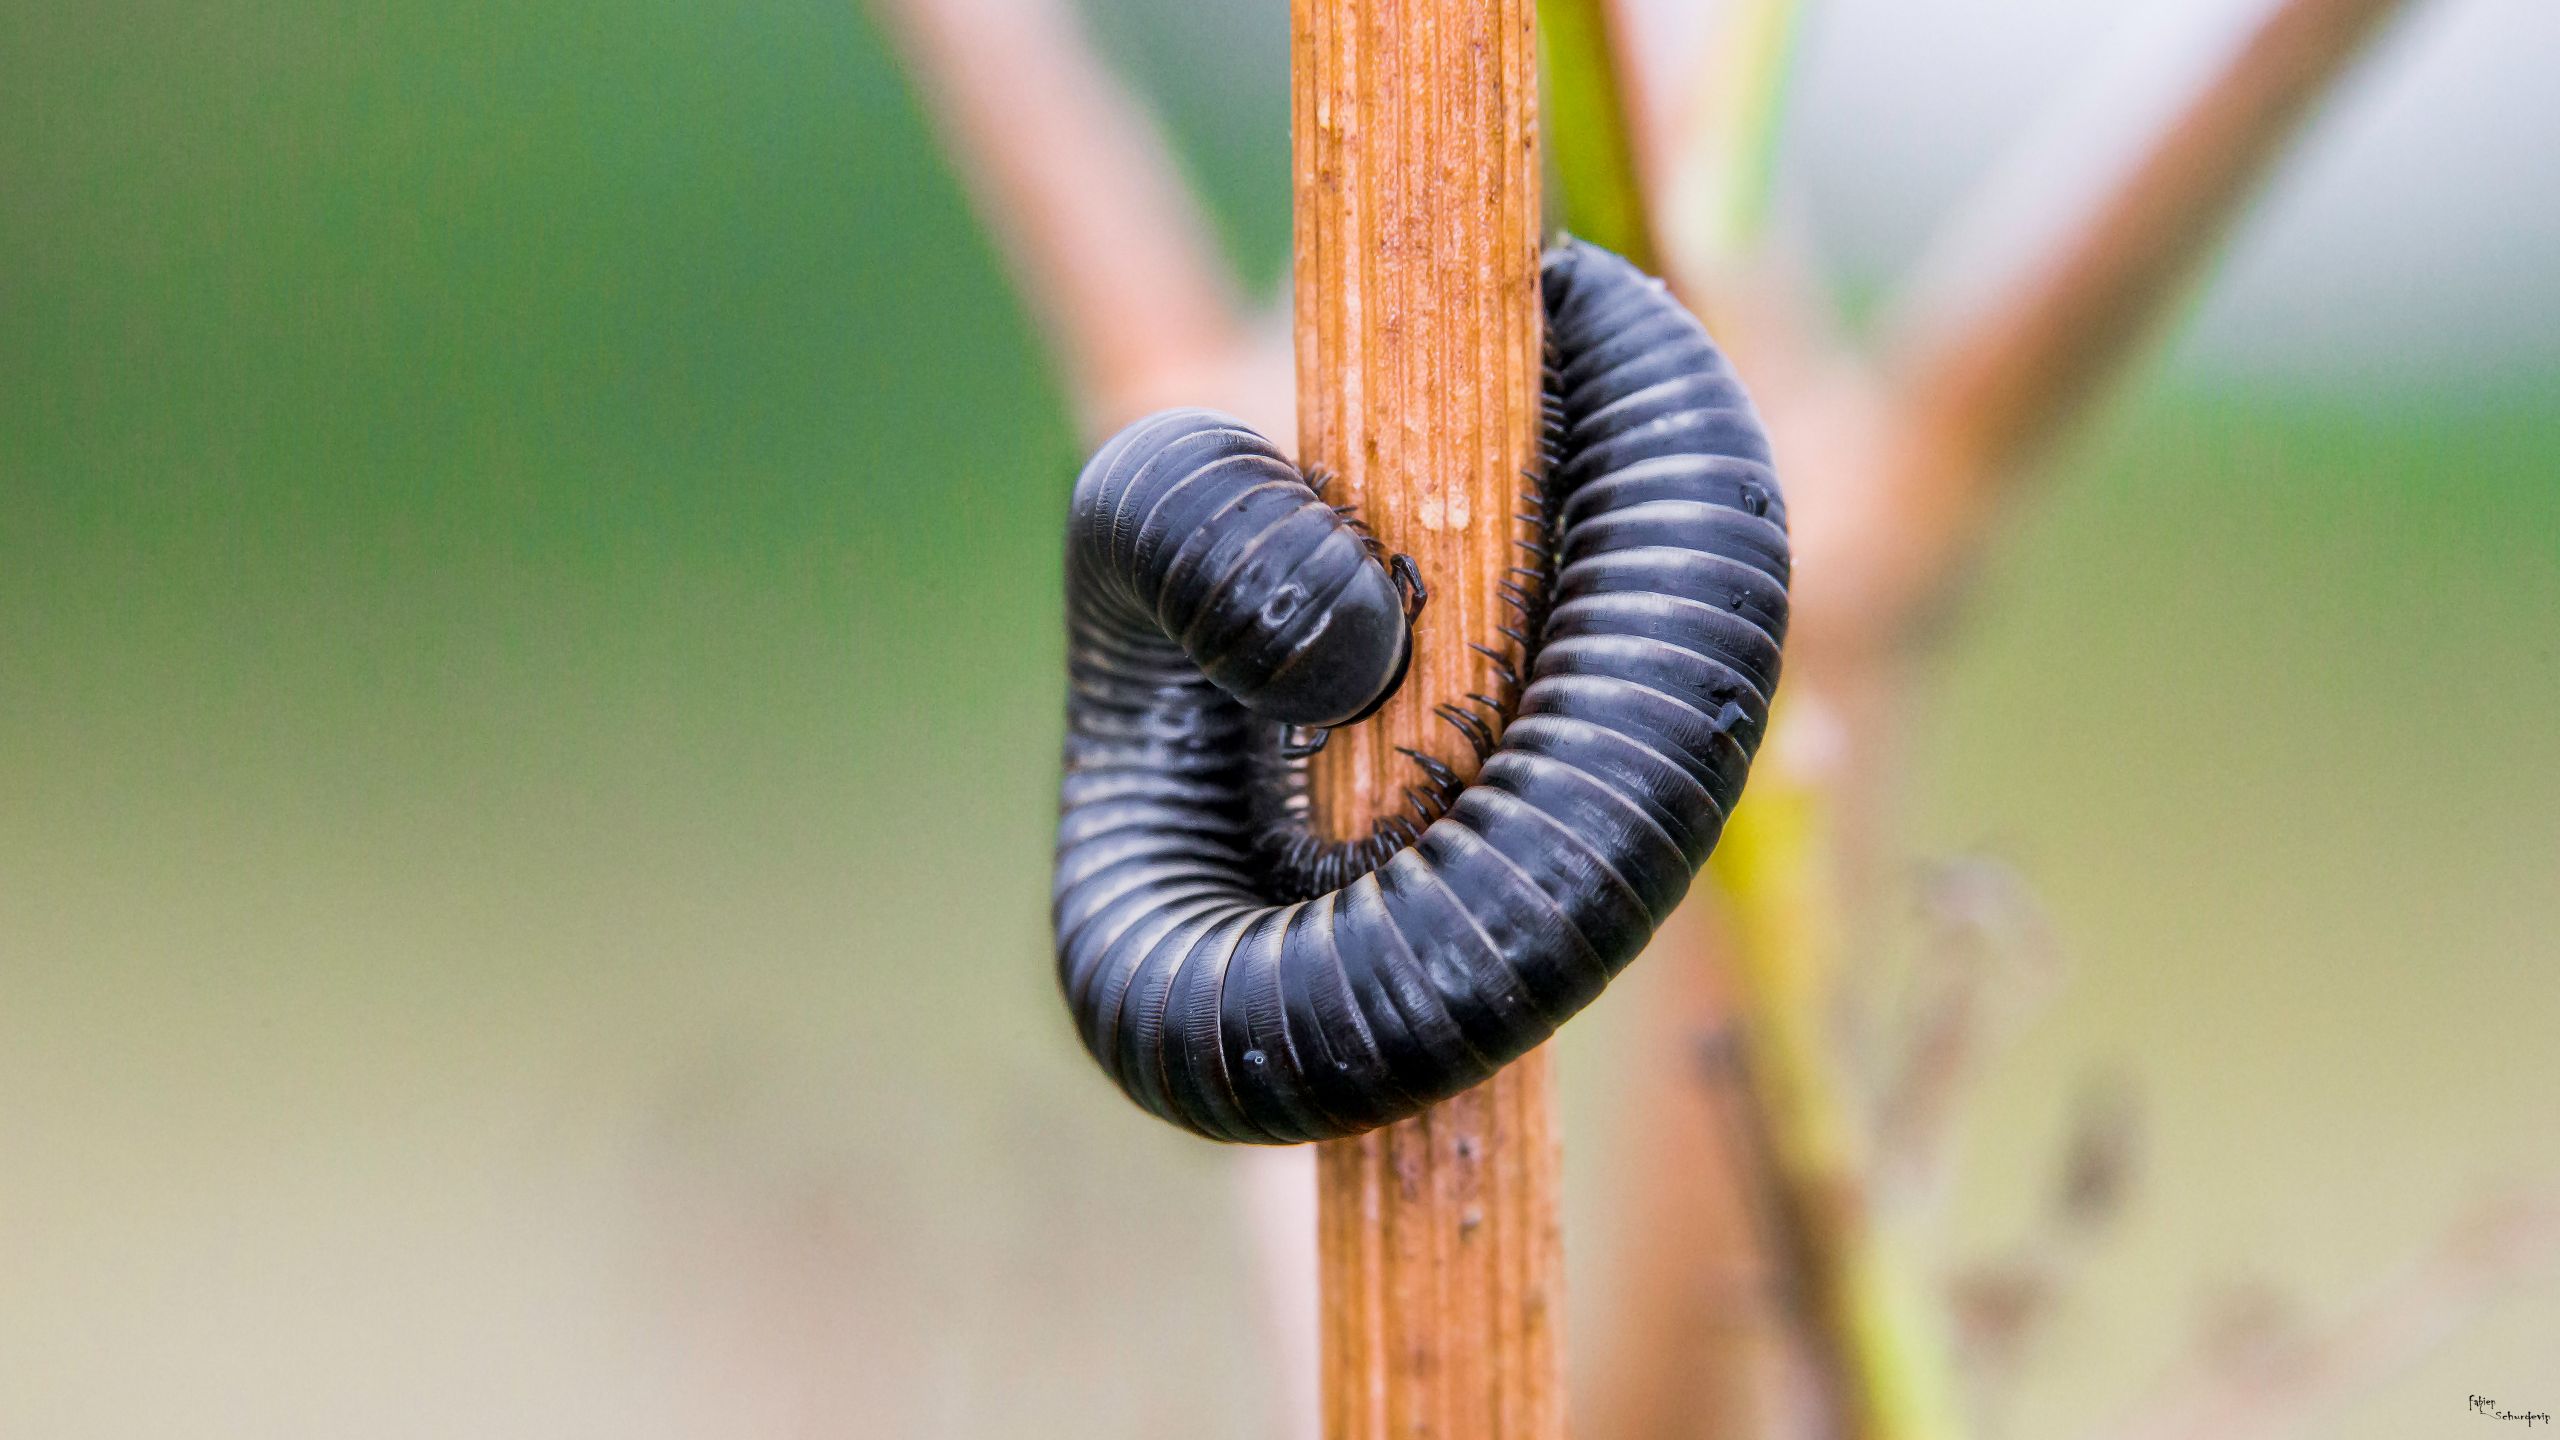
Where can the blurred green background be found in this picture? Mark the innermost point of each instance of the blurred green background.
(528, 698)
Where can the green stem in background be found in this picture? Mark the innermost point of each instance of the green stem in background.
(1718, 206)
(1865, 1321)
(1862, 1315)
(1718, 167)
(1590, 129)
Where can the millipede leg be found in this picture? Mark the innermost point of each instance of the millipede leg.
(1408, 582)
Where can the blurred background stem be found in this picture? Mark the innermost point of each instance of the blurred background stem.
(1883, 521)
(1900, 464)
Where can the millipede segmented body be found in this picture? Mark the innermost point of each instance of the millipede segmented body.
(1242, 980)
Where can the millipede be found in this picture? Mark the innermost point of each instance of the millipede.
(1246, 979)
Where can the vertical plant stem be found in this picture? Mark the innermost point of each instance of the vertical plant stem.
(1599, 159)
(1690, 1334)
(1415, 139)
(1870, 1331)
(1715, 204)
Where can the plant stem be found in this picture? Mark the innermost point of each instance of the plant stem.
(1415, 139)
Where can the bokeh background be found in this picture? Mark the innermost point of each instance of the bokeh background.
(529, 675)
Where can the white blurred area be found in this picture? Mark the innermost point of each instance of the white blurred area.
(2413, 235)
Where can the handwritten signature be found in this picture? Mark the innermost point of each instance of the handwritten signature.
(2483, 1405)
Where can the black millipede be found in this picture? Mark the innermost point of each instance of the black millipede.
(1245, 980)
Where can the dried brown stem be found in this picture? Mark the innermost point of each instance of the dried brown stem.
(1108, 245)
(1989, 947)
(2003, 1307)
(1695, 1323)
(1414, 126)
(2275, 1382)
(1793, 1224)
(1973, 407)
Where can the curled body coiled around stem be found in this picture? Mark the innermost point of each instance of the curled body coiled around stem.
(1244, 981)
